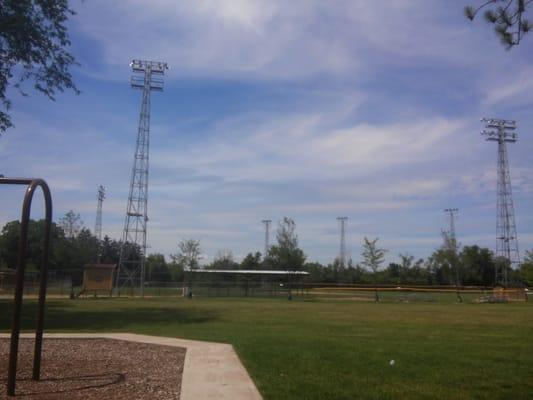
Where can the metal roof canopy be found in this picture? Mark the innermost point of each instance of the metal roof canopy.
(248, 271)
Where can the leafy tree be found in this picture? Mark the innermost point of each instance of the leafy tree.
(189, 253)
(478, 265)
(9, 242)
(373, 257)
(406, 262)
(417, 274)
(87, 247)
(188, 256)
(33, 42)
(71, 224)
(252, 261)
(507, 16)
(316, 271)
(357, 274)
(156, 268)
(175, 270)
(440, 267)
(110, 251)
(338, 268)
(526, 269)
(286, 254)
(395, 272)
(445, 263)
(224, 260)
(450, 249)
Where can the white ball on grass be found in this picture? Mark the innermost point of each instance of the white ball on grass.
(391, 363)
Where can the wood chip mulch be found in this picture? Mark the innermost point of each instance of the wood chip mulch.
(96, 369)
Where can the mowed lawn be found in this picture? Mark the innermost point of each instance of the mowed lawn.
(324, 349)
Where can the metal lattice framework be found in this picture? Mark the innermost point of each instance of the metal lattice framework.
(133, 249)
(98, 222)
(452, 213)
(503, 131)
(267, 223)
(342, 249)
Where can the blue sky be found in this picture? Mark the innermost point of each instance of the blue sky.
(306, 109)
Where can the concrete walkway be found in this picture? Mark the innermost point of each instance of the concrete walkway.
(211, 370)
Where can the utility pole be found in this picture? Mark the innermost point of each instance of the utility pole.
(147, 77)
(503, 131)
(342, 250)
(267, 223)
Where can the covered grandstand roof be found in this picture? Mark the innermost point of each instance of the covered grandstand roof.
(249, 271)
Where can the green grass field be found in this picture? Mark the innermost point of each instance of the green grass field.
(328, 349)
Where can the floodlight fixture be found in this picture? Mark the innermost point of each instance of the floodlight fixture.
(451, 210)
(101, 192)
(499, 130)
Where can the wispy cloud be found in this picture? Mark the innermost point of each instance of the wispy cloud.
(306, 109)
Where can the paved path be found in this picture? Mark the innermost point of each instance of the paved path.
(211, 370)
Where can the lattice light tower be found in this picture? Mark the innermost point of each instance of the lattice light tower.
(503, 131)
(342, 249)
(98, 222)
(452, 213)
(147, 77)
(267, 223)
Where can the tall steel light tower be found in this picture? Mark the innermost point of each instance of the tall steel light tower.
(267, 223)
(452, 213)
(342, 250)
(503, 131)
(98, 222)
(147, 77)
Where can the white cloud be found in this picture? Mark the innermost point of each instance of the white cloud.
(357, 140)
(279, 39)
(306, 147)
(511, 90)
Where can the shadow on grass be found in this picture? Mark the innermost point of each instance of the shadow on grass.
(79, 317)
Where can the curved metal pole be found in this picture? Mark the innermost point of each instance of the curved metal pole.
(19, 278)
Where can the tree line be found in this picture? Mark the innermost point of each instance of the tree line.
(74, 246)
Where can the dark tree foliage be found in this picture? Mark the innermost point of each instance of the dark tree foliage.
(33, 42)
(9, 243)
(223, 260)
(507, 16)
(67, 253)
(286, 254)
(110, 250)
(478, 266)
(157, 269)
(251, 261)
(526, 269)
